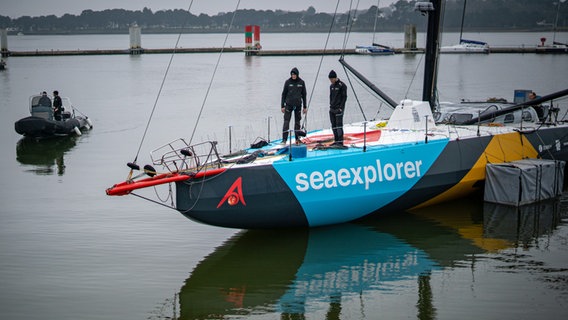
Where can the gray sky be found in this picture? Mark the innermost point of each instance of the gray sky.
(18, 8)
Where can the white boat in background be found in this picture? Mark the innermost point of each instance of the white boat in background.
(466, 46)
(556, 47)
(374, 48)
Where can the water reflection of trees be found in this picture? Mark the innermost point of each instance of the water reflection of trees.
(45, 156)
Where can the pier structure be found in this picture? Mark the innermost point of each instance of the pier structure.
(135, 39)
(253, 48)
(410, 37)
(265, 53)
(4, 43)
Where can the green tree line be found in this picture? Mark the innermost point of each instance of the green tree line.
(481, 15)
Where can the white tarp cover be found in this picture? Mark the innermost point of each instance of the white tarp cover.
(525, 181)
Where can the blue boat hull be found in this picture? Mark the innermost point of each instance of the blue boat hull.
(317, 191)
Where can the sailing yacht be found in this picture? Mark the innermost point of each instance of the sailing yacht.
(466, 46)
(418, 157)
(374, 48)
(556, 46)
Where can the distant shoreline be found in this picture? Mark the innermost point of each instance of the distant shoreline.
(194, 31)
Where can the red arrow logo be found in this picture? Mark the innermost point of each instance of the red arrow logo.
(234, 195)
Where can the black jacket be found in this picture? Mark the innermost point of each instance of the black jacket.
(294, 93)
(337, 95)
(57, 103)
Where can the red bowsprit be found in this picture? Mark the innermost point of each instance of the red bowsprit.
(124, 188)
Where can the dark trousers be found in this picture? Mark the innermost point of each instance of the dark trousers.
(297, 118)
(336, 120)
(57, 116)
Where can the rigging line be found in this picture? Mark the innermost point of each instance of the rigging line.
(348, 29)
(214, 71)
(349, 24)
(375, 23)
(162, 84)
(378, 110)
(320, 63)
(564, 116)
(151, 200)
(413, 76)
(201, 184)
(369, 91)
(354, 93)
(168, 196)
(437, 63)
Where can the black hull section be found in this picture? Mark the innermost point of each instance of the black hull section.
(37, 127)
(550, 143)
(457, 161)
(220, 200)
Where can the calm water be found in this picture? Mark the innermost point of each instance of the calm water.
(67, 251)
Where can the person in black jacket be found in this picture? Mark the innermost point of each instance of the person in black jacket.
(337, 98)
(44, 100)
(293, 99)
(57, 105)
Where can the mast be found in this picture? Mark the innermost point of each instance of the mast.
(556, 21)
(375, 24)
(463, 17)
(432, 44)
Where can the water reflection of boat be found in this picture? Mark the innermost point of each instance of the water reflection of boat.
(494, 227)
(297, 272)
(520, 225)
(43, 155)
(283, 272)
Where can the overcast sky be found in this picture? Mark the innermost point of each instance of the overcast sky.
(18, 8)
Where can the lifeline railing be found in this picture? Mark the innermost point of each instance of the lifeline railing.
(179, 156)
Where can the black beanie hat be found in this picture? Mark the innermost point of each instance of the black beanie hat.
(332, 74)
(295, 71)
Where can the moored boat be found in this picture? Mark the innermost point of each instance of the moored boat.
(375, 49)
(42, 124)
(467, 46)
(556, 47)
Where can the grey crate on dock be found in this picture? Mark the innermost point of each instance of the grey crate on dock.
(525, 181)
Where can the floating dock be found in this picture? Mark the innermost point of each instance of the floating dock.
(118, 51)
(261, 53)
